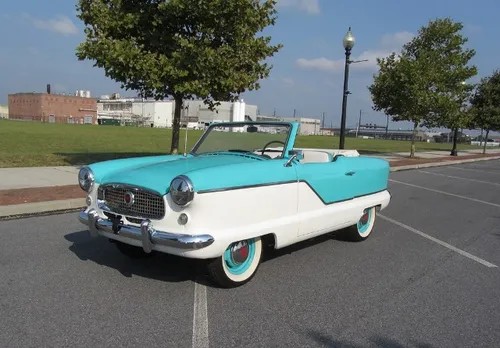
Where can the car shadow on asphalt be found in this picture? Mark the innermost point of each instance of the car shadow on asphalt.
(159, 266)
(324, 340)
(270, 253)
(165, 267)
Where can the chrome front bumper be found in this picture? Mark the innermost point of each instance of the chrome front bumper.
(146, 233)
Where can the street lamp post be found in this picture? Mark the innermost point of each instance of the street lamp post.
(348, 43)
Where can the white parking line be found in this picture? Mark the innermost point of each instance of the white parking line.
(440, 242)
(446, 193)
(484, 164)
(459, 177)
(200, 317)
(473, 170)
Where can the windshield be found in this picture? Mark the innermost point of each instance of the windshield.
(263, 139)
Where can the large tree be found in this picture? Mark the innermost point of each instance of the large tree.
(485, 103)
(183, 49)
(422, 84)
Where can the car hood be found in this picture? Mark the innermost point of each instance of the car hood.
(157, 176)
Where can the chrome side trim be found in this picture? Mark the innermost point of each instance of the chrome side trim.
(146, 233)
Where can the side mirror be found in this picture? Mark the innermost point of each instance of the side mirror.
(299, 154)
(295, 155)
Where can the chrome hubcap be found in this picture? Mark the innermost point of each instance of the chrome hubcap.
(239, 252)
(364, 218)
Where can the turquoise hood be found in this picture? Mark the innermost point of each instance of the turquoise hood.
(156, 173)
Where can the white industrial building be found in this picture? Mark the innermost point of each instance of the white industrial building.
(135, 110)
(308, 126)
(195, 114)
(152, 113)
(4, 111)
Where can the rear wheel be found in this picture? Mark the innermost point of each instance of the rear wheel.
(364, 227)
(238, 264)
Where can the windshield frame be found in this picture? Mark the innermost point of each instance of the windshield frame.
(283, 154)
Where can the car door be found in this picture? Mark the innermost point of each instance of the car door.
(322, 185)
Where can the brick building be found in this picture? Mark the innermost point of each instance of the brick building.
(52, 108)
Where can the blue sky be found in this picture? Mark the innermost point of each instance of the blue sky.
(40, 38)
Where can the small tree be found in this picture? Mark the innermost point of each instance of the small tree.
(422, 83)
(442, 45)
(399, 90)
(485, 109)
(185, 49)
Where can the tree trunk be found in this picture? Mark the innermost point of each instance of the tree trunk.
(176, 125)
(485, 139)
(412, 146)
(454, 148)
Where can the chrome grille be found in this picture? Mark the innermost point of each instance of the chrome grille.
(146, 204)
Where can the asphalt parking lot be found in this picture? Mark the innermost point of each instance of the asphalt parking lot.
(427, 277)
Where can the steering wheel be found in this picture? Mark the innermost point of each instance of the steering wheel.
(269, 143)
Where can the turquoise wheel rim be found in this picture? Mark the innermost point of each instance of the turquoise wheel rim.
(239, 256)
(364, 221)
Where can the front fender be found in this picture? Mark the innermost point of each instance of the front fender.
(105, 168)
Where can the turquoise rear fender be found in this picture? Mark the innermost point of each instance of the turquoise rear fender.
(346, 178)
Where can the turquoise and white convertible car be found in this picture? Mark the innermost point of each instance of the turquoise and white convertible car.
(243, 186)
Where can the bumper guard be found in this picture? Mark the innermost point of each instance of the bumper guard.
(146, 233)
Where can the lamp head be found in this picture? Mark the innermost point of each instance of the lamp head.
(349, 40)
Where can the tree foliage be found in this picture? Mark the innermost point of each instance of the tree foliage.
(184, 49)
(423, 83)
(485, 103)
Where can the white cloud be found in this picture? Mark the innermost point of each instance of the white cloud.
(322, 64)
(61, 25)
(389, 43)
(397, 39)
(310, 6)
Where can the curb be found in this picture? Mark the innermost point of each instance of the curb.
(41, 207)
(442, 164)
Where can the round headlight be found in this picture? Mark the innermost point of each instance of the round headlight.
(86, 179)
(181, 190)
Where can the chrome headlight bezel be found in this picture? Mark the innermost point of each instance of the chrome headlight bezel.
(181, 190)
(86, 179)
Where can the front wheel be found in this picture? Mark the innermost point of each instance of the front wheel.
(238, 264)
(364, 227)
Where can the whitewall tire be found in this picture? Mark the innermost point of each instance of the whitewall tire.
(364, 227)
(238, 264)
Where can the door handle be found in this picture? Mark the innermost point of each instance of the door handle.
(350, 173)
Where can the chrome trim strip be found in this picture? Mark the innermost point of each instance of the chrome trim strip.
(285, 183)
(130, 187)
(146, 233)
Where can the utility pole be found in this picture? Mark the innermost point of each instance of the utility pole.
(387, 127)
(294, 111)
(359, 122)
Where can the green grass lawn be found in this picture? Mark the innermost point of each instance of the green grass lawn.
(29, 144)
